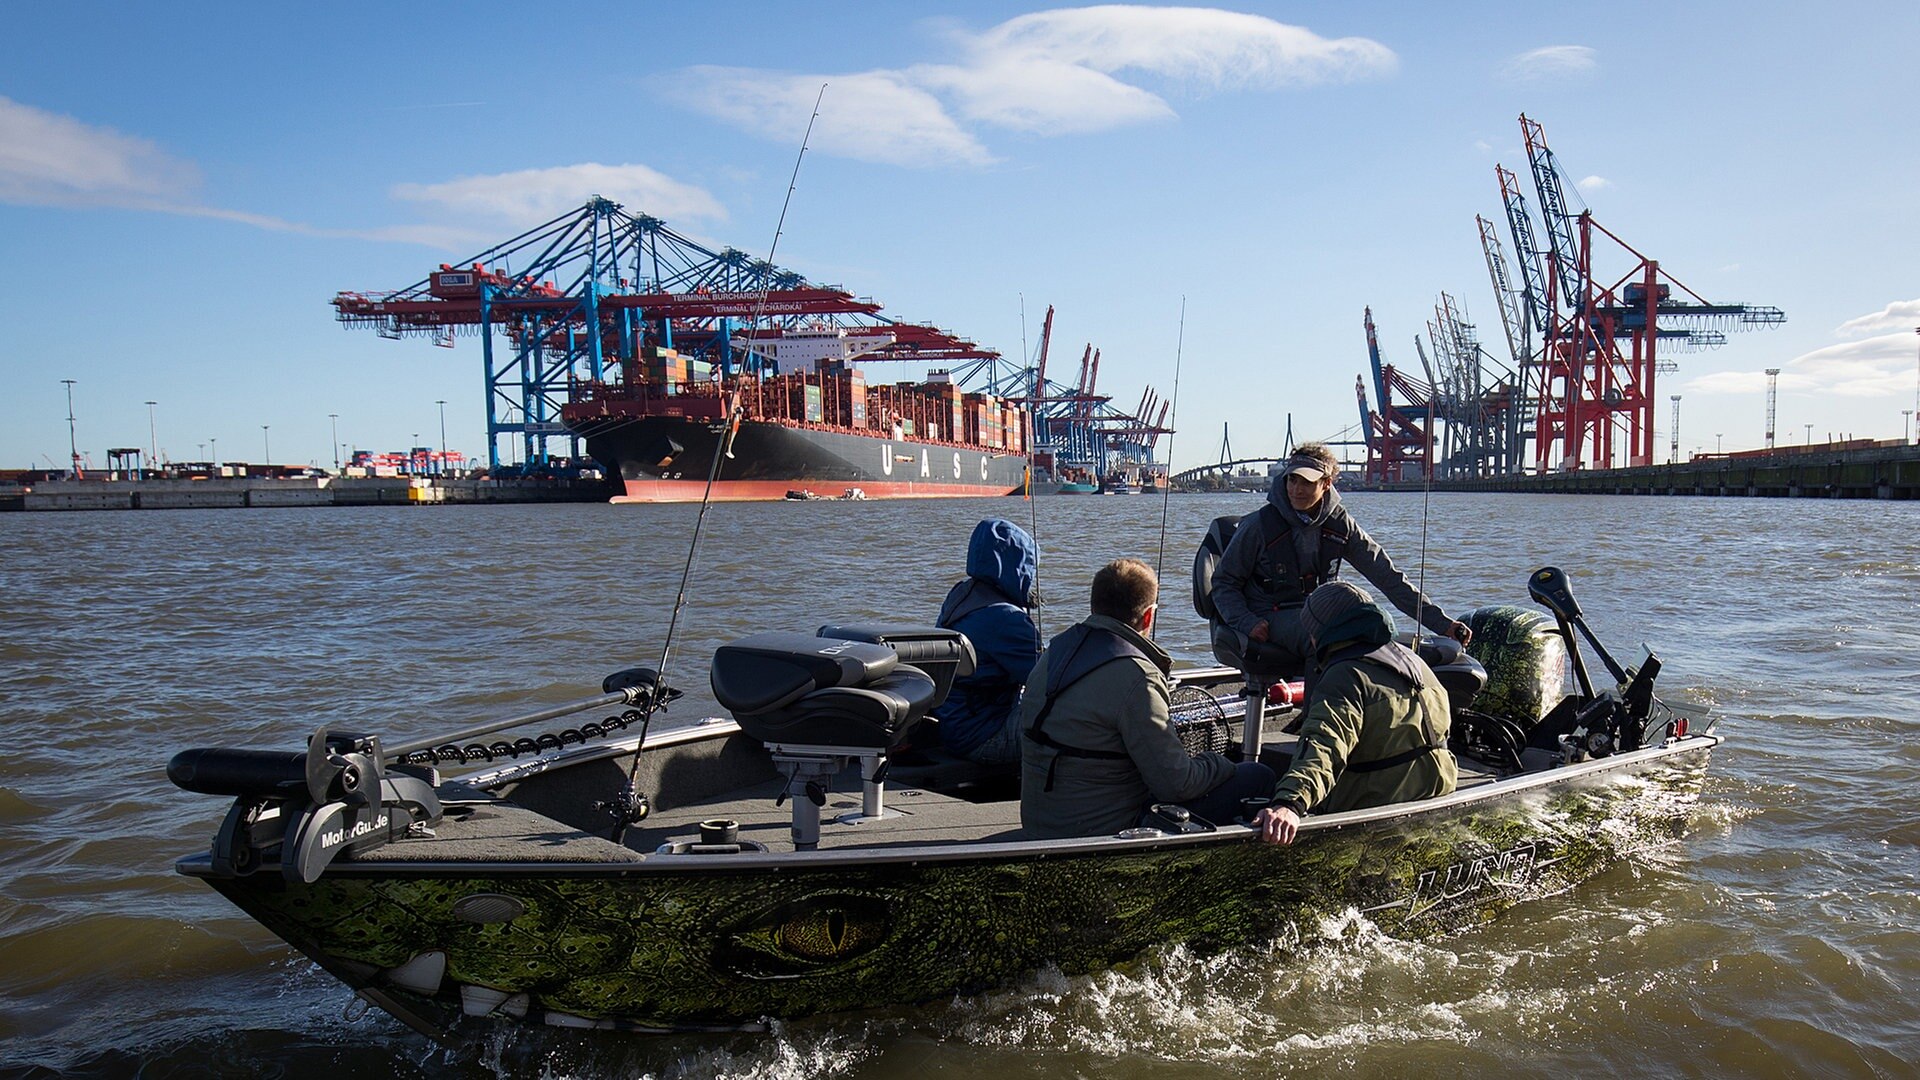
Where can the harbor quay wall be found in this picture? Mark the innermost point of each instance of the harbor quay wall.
(1878, 473)
(256, 492)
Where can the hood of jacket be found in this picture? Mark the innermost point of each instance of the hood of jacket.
(1004, 555)
(1368, 627)
(1277, 495)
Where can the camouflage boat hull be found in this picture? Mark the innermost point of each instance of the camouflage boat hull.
(662, 944)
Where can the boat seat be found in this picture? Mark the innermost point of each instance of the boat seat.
(943, 654)
(1261, 662)
(817, 703)
(1460, 673)
(789, 688)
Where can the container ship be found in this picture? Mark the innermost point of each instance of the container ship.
(812, 426)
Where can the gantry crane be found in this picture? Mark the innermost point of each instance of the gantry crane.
(597, 286)
(1077, 430)
(1599, 353)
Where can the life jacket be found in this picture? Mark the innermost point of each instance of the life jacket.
(968, 597)
(1334, 534)
(965, 598)
(1386, 656)
(1073, 656)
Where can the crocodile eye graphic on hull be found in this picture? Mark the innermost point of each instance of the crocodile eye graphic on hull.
(813, 935)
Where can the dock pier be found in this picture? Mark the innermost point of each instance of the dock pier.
(238, 492)
(1835, 471)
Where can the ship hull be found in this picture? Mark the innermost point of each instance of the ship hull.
(668, 459)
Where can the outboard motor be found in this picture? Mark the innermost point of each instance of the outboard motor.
(822, 702)
(308, 809)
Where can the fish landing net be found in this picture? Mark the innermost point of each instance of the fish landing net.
(1200, 721)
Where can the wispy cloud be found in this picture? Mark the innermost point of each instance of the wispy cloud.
(1593, 183)
(532, 195)
(47, 159)
(874, 116)
(1550, 62)
(1899, 315)
(1049, 73)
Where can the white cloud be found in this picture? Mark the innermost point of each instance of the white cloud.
(1208, 46)
(51, 160)
(871, 116)
(1594, 183)
(1901, 315)
(1870, 368)
(1049, 73)
(533, 195)
(1045, 97)
(1550, 62)
(47, 159)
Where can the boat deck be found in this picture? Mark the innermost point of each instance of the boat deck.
(494, 831)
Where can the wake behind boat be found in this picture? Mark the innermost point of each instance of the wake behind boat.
(799, 858)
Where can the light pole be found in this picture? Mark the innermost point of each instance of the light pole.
(1906, 420)
(153, 437)
(73, 439)
(215, 443)
(335, 417)
(1809, 428)
(266, 444)
(443, 435)
(413, 455)
(1716, 444)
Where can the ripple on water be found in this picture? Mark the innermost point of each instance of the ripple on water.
(1769, 940)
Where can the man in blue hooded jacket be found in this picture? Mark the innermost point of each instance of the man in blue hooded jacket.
(994, 607)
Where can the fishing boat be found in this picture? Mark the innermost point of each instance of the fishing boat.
(798, 857)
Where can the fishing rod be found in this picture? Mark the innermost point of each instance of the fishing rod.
(629, 806)
(1426, 499)
(1166, 497)
(1033, 504)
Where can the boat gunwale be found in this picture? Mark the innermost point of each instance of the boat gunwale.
(199, 865)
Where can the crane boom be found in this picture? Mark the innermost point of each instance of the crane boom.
(1562, 244)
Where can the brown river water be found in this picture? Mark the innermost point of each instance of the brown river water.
(1781, 937)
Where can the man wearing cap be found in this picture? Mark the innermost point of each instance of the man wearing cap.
(1296, 542)
(1099, 741)
(1376, 723)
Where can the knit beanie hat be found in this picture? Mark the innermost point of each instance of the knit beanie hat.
(1330, 604)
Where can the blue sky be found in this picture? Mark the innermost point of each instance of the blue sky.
(183, 189)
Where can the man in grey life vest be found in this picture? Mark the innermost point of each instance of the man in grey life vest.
(1295, 543)
(1375, 730)
(1099, 741)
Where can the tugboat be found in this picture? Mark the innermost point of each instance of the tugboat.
(794, 860)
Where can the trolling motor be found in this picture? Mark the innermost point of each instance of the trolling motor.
(337, 797)
(1595, 725)
(347, 793)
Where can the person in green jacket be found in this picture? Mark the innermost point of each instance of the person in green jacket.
(1375, 730)
(1098, 744)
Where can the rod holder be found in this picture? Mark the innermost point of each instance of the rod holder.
(1253, 722)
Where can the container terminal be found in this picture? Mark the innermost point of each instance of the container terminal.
(672, 363)
(1567, 399)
